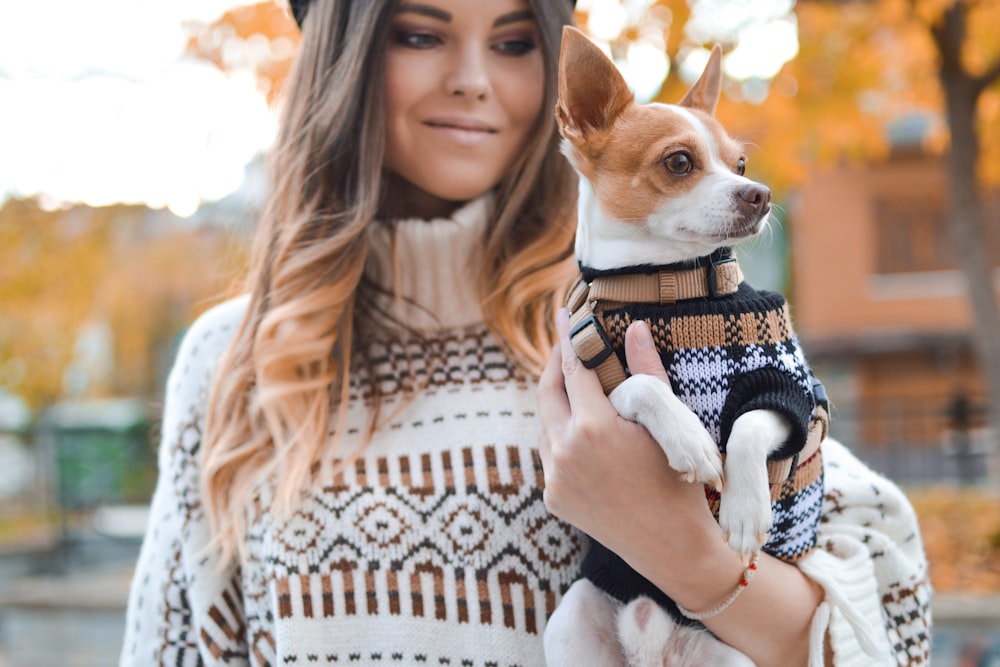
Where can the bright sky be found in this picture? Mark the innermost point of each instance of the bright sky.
(98, 104)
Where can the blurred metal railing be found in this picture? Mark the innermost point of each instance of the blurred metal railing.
(918, 441)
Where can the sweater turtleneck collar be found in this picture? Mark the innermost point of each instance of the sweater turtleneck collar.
(429, 267)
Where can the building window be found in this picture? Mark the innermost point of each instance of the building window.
(911, 234)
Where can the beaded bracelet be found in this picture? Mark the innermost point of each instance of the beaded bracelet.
(721, 607)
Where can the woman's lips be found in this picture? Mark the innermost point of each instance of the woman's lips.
(464, 131)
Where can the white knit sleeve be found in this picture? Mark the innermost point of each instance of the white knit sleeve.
(172, 589)
(870, 562)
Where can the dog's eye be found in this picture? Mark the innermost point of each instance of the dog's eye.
(678, 163)
(741, 166)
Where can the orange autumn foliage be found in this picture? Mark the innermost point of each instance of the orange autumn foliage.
(120, 269)
(961, 531)
(261, 37)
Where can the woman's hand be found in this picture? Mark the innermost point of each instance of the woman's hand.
(605, 474)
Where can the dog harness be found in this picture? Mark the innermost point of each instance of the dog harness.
(728, 349)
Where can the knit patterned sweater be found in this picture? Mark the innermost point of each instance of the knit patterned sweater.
(725, 356)
(435, 547)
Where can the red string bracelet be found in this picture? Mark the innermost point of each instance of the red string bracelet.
(722, 606)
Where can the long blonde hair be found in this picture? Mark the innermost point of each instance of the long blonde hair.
(285, 377)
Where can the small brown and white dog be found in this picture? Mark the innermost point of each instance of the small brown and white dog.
(662, 197)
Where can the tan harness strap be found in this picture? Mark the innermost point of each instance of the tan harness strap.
(668, 286)
(577, 295)
(587, 332)
(594, 349)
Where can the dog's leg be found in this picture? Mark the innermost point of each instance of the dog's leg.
(745, 509)
(679, 432)
(651, 638)
(581, 631)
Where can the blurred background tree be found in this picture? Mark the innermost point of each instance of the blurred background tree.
(94, 298)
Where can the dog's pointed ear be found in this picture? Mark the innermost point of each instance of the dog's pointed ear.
(705, 92)
(592, 92)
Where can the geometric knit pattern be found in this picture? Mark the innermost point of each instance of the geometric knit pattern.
(726, 356)
(795, 510)
(435, 547)
(418, 537)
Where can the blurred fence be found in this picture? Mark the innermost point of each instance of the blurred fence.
(79, 467)
(100, 453)
(919, 441)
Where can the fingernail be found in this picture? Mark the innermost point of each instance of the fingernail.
(643, 337)
(562, 321)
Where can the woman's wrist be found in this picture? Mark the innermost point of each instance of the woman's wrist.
(695, 566)
(748, 574)
(706, 579)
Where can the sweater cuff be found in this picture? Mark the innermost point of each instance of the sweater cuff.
(770, 388)
(850, 613)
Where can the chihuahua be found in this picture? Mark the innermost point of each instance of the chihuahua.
(663, 196)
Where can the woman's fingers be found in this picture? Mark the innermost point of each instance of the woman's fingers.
(583, 387)
(553, 408)
(551, 399)
(641, 353)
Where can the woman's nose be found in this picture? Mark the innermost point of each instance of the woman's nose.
(468, 77)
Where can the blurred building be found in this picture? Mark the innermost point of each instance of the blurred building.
(881, 306)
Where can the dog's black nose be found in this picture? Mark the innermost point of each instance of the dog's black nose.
(757, 196)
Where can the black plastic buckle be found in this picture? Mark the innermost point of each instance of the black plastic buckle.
(713, 275)
(819, 393)
(608, 350)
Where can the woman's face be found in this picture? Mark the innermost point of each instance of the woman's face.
(464, 84)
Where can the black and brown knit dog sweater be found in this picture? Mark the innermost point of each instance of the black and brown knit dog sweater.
(726, 354)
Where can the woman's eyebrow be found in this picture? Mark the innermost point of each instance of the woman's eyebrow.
(514, 17)
(424, 10)
(440, 14)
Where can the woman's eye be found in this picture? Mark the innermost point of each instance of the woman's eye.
(679, 163)
(741, 166)
(416, 40)
(516, 47)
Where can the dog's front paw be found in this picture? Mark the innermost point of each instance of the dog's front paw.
(745, 508)
(689, 448)
(698, 458)
(745, 517)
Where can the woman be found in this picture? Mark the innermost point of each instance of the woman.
(349, 470)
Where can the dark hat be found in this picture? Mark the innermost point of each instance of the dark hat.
(299, 9)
